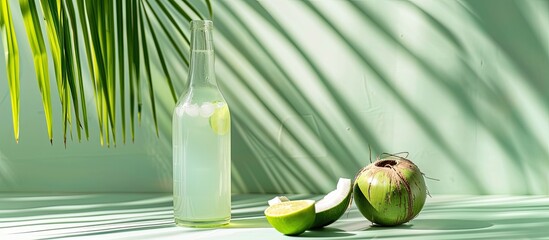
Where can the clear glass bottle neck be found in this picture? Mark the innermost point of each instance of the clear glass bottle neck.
(202, 71)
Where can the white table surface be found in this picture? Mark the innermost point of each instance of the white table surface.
(149, 216)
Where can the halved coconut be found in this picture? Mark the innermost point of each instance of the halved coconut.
(334, 204)
(331, 207)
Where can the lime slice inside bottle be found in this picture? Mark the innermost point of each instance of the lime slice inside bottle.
(291, 217)
(220, 121)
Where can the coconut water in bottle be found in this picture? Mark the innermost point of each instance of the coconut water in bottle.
(201, 139)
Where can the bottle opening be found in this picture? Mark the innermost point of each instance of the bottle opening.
(201, 24)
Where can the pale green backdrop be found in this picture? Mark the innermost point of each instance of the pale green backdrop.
(463, 86)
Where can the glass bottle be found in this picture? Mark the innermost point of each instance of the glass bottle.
(202, 141)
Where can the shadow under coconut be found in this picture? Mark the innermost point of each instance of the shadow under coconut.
(327, 232)
(437, 224)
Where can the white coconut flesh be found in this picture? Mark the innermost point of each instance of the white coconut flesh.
(278, 199)
(335, 197)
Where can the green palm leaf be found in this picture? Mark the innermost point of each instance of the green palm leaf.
(210, 9)
(121, 72)
(34, 34)
(134, 62)
(51, 16)
(161, 55)
(169, 35)
(142, 22)
(60, 44)
(113, 35)
(11, 49)
(73, 55)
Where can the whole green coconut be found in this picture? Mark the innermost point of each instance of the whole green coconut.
(390, 191)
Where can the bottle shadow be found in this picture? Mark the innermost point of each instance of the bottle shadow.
(253, 222)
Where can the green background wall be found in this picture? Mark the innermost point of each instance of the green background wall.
(463, 86)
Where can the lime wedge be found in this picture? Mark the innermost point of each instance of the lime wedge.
(220, 121)
(291, 217)
(334, 204)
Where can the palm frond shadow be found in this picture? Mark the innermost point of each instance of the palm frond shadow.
(365, 133)
(496, 96)
(80, 215)
(291, 93)
(529, 63)
(294, 97)
(97, 215)
(113, 230)
(467, 94)
(422, 120)
(262, 133)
